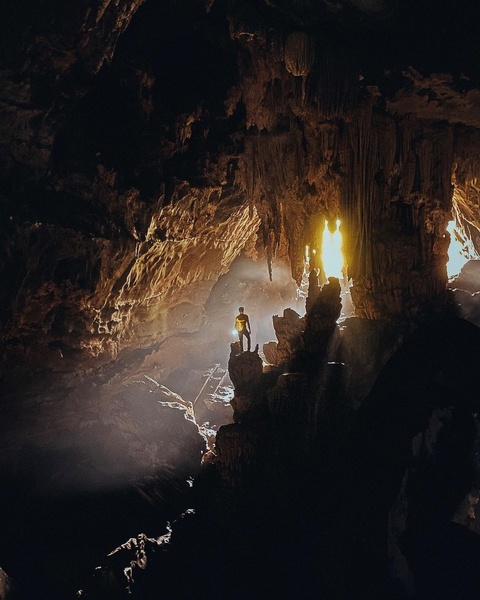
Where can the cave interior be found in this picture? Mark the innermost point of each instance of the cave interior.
(162, 164)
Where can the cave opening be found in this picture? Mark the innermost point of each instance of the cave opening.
(332, 254)
(460, 250)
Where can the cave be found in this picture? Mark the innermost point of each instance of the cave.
(315, 162)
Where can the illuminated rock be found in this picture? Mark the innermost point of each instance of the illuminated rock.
(288, 329)
(270, 352)
(299, 53)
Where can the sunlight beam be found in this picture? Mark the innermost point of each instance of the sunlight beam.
(332, 251)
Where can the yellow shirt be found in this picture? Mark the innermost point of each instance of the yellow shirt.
(241, 321)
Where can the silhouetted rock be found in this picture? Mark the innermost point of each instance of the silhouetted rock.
(321, 318)
(236, 446)
(245, 370)
(288, 330)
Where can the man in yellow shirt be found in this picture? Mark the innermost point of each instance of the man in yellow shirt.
(242, 325)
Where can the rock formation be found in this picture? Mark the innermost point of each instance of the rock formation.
(122, 203)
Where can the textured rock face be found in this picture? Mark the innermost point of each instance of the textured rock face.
(386, 175)
(288, 329)
(136, 166)
(95, 263)
(245, 370)
(97, 296)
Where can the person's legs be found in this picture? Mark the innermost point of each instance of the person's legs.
(247, 334)
(240, 339)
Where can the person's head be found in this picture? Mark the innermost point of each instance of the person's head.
(241, 309)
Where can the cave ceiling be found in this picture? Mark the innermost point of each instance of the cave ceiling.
(145, 145)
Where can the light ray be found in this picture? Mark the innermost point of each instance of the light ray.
(332, 251)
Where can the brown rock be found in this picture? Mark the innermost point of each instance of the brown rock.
(245, 370)
(288, 330)
(321, 318)
(270, 352)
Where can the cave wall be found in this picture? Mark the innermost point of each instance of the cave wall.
(322, 143)
(143, 147)
(118, 218)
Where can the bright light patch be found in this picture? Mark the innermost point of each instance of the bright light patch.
(332, 254)
(458, 251)
(234, 332)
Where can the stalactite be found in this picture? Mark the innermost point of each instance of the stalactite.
(274, 100)
(392, 191)
(277, 44)
(299, 53)
(275, 165)
(358, 194)
(333, 88)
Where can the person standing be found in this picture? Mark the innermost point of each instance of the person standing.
(242, 325)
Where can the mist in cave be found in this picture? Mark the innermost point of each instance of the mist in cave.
(123, 456)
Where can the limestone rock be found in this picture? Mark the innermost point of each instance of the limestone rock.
(235, 446)
(288, 398)
(270, 352)
(299, 53)
(288, 329)
(245, 370)
(320, 321)
(248, 409)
